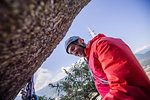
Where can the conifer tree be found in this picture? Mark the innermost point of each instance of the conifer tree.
(77, 85)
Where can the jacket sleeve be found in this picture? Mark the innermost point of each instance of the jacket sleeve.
(115, 65)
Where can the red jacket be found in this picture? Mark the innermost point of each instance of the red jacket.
(111, 60)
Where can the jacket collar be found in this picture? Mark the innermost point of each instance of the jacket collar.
(88, 46)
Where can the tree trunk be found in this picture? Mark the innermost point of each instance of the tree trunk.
(29, 31)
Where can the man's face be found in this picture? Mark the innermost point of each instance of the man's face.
(76, 50)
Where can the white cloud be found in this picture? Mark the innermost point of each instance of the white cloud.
(61, 74)
(66, 68)
(143, 48)
(43, 78)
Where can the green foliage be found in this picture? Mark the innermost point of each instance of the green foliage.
(77, 85)
(45, 98)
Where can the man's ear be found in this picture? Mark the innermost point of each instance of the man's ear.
(80, 41)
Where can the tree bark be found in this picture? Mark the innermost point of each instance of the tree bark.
(29, 31)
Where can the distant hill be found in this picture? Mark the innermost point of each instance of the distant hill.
(48, 92)
(143, 49)
(144, 59)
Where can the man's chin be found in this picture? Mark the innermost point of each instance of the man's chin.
(82, 55)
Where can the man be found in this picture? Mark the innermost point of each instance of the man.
(117, 73)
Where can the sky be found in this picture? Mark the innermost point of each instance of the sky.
(125, 19)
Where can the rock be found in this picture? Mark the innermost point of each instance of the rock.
(29, 31)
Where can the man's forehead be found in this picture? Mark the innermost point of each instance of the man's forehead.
(71, 45)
